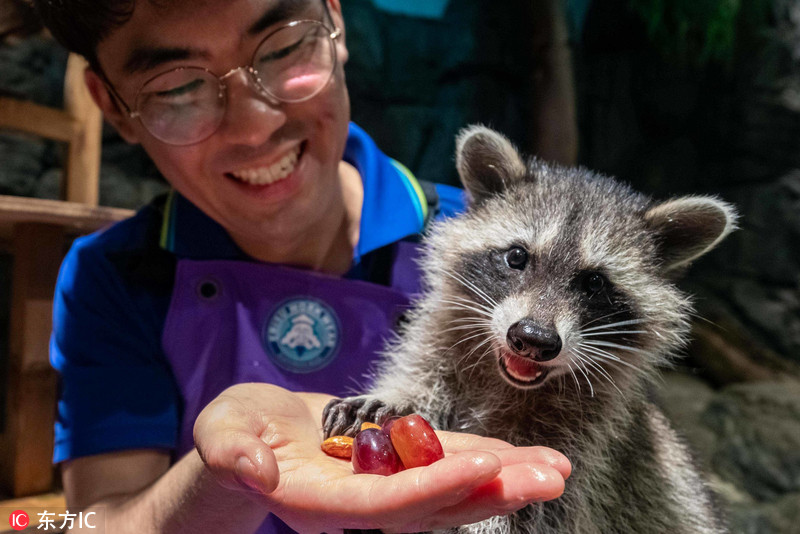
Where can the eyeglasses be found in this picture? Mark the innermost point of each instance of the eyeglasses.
(186, 105)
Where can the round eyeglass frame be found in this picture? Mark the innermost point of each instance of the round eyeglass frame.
(135, 113)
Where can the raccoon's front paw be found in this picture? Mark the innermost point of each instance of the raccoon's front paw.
(343, 417)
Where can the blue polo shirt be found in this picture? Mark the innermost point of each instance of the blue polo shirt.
(113, 292)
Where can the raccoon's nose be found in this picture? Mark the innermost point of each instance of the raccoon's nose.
(527, 338)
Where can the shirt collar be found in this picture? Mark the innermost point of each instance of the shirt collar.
(394, 207)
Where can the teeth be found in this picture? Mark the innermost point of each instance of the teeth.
(538, 374)
(271, 174)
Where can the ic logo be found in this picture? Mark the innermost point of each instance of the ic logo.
(18, 520)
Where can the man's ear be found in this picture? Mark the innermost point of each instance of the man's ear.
(335, 9)
(109, 106)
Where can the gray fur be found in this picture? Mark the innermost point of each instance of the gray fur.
(630, 472)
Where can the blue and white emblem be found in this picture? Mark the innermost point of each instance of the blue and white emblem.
(302, 335)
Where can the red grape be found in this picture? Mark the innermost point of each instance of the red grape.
(415, 441)
(373, 453)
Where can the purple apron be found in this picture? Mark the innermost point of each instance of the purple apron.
(234, 321)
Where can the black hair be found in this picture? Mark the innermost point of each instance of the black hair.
(80, 25)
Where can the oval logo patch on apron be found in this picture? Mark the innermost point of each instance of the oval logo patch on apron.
(302, 335)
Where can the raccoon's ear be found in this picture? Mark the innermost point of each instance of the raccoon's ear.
(689, 227)
(486, 161)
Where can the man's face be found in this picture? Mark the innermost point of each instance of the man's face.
(256, 133)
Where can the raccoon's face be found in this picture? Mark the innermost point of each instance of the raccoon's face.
(558, 272)
(550, 309)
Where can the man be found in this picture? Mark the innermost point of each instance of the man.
(276, 264)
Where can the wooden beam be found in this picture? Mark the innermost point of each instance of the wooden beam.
(24, 116)
(74, 217)
(82, 171)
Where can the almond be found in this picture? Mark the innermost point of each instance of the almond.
(338, 446)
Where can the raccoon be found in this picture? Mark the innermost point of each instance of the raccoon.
(549, 307)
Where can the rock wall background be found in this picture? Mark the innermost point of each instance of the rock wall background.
(668, 127)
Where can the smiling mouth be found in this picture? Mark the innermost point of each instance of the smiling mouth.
(521, 372)
(272, 173)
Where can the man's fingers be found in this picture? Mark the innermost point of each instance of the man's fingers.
(454, 442)
(517, 486)
(535, 455)
(227, 438)
(240, 460)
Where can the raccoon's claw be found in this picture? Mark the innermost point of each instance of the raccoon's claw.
(343, 417)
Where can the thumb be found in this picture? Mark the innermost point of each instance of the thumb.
(235, 454)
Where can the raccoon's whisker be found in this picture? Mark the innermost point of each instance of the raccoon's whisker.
(470, 326)
(599, 368)
(611, 358)
(595, 345)
(606, 333)
(598, 343)
(602, 317)
(612, 325)
(462, 306)
(577, 383)
(598, 351)
(473, 336)
(708, 321)
(590, 361)
(469, 285)
(475, 348)
(575, 378)
(480, 312)
(465, 318)
(578, 364)
(473, 313)
(581, 364)
(474, 366)
(474, 323)
(450, 305)
(470, 320)
(464, 300)
(482, 357)
(618, 362)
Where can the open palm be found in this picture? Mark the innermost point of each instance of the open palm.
(268, 439)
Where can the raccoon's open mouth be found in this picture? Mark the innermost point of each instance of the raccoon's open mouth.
(521, 372)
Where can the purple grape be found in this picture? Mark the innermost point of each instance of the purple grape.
(373, 453)
(387, 424)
